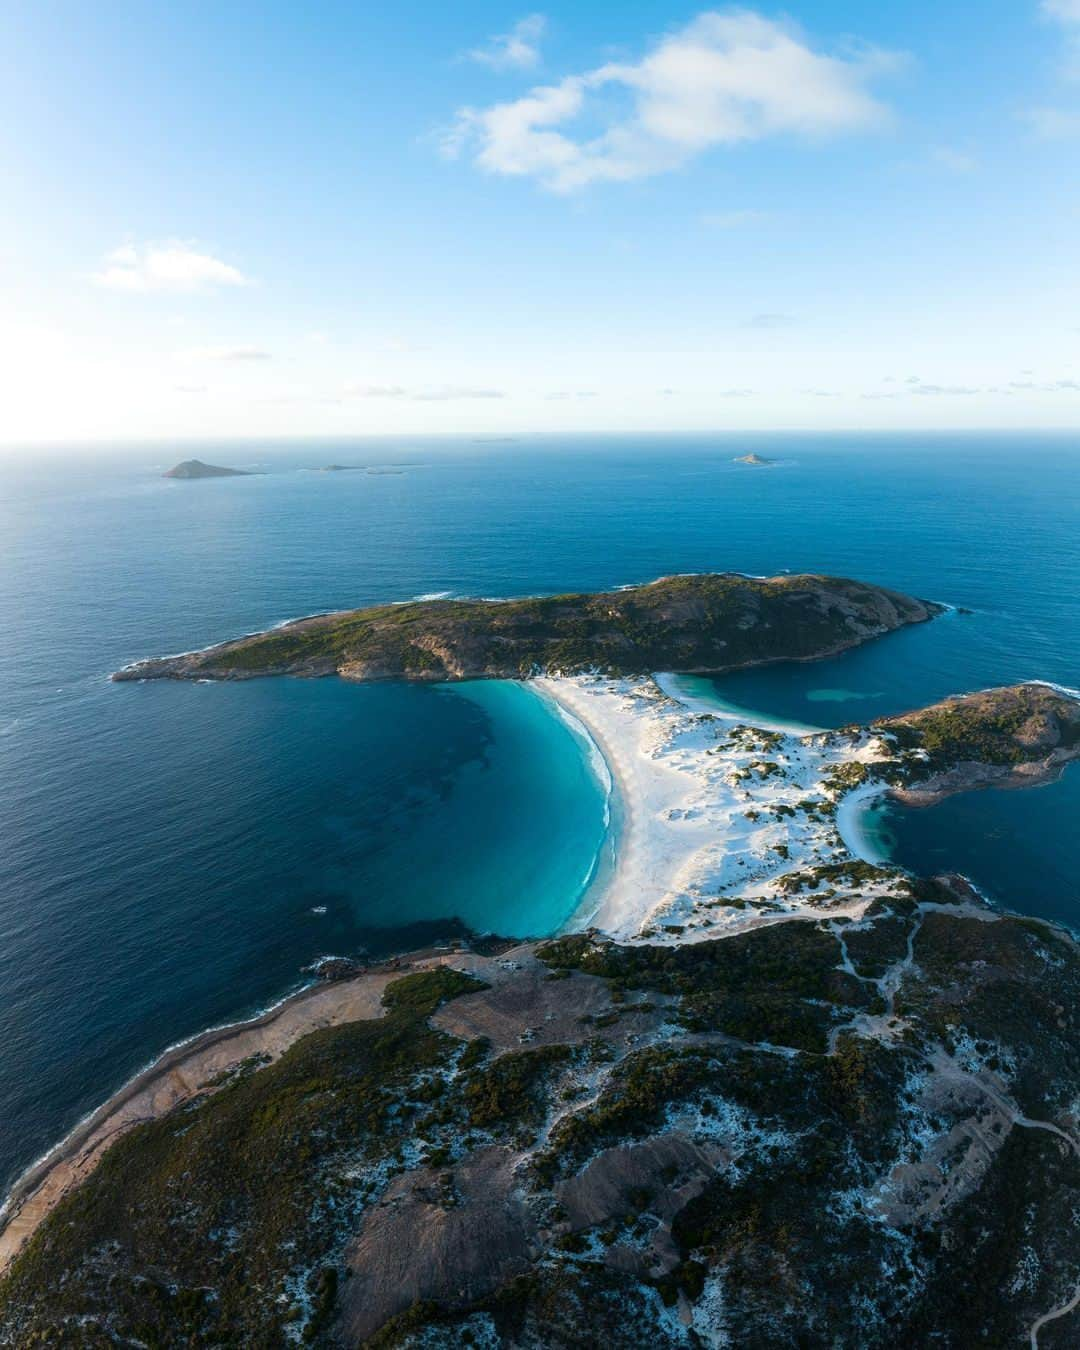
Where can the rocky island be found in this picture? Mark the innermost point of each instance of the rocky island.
(195, 468)
(757, 461)
(683, 623)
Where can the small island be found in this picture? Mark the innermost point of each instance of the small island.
(758, 461)
(195, 468)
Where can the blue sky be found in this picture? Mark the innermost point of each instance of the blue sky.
(346, 218)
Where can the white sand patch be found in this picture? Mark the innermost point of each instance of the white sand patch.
(718, 818)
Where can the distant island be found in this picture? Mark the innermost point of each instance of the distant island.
(707, 623)
(195, 468)
(759, 461)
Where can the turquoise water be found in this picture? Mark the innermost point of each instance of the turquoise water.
(164, 847)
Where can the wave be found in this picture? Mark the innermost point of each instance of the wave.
(1065, 689)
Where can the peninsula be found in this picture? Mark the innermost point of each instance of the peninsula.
(774, 1094)
(195, 468)
(682, 623)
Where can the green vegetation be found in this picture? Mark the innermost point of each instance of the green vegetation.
(233, 1197)
(851, 872)
(842, 778)
(1014, 725)
(678, 623)
(508, 1092)
(776, 985)
(690, 1169)
(633, 1104)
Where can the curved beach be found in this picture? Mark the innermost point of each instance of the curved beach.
(714, 812)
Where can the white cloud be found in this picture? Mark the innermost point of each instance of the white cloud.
(227, 354)
(1065, 11)
(723, 79)
(517, 50)
(168, 266)
(440, 394)
(936, 390)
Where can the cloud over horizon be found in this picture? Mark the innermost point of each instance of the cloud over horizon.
(723, 79)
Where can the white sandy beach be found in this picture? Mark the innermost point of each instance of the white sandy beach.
(715, 813)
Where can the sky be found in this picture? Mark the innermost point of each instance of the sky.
(270, 218)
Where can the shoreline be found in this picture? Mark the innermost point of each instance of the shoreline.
(712, 835)
(616, 813)
(187, 1070)
(650, 746)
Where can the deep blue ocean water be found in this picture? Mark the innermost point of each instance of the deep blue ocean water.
(165, 849)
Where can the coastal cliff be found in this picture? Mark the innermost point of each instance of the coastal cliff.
(684, 623)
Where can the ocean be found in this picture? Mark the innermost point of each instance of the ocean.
(173, 855)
